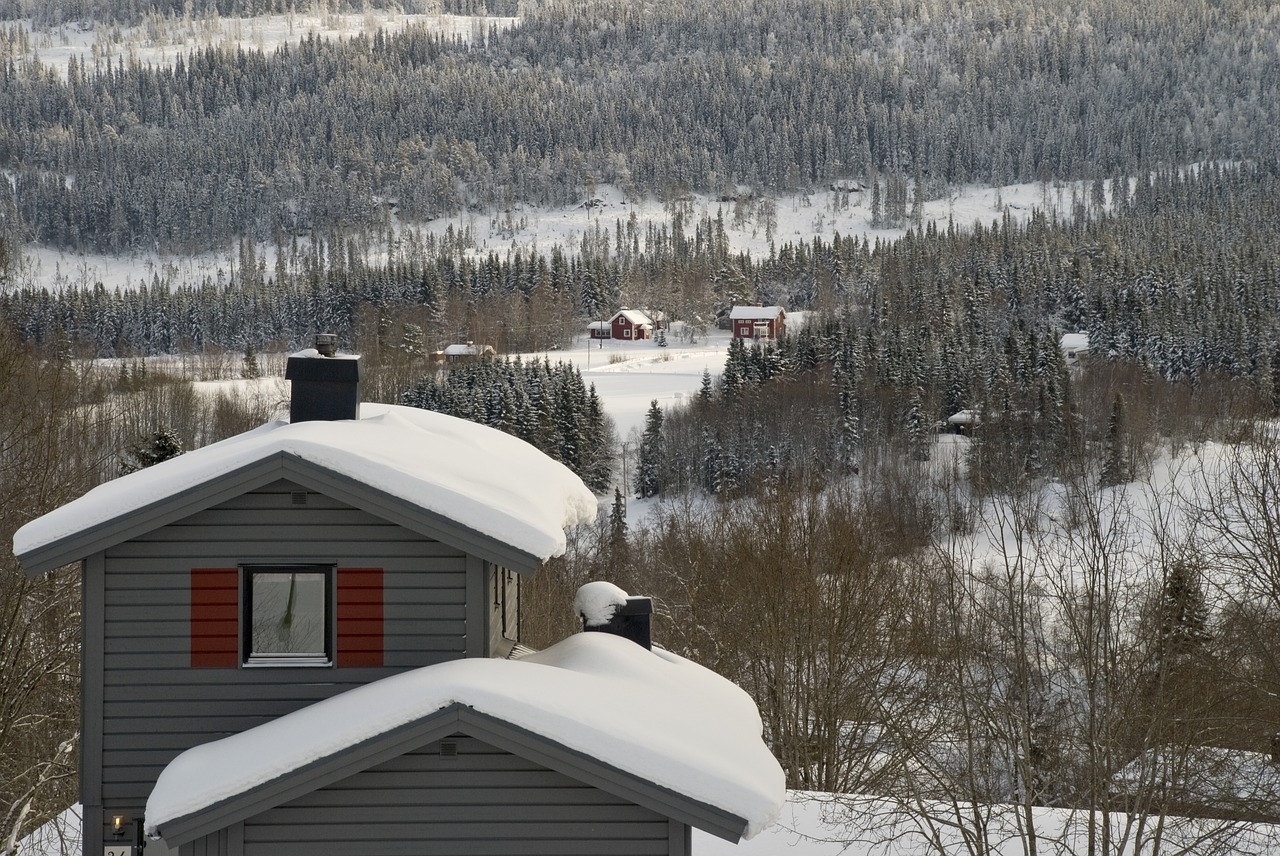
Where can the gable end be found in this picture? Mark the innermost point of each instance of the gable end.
(132, 523)
(457, 718)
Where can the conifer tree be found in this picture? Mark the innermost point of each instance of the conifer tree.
(160, 446)
(1184, 612)
(649, 468)
(618, 526)
(250, 369)
(1115, 465)
(705, 390)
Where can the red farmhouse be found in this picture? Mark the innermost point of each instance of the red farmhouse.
(758, 322)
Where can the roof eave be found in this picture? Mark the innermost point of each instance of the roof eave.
(455, 718)
(133, 522)
(224, 486)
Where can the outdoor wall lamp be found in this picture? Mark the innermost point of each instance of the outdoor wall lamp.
(117, 825)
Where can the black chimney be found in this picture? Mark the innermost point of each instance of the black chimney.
(630, 621)
(325, 387)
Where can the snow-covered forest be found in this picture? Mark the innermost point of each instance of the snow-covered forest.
(656, 98)
(1035, 615)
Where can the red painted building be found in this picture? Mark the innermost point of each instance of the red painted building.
(758, 322)
(631, 325)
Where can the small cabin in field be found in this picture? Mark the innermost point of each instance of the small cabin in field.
(758, 322)
(296, 641)
(631, 325)
(600, 330)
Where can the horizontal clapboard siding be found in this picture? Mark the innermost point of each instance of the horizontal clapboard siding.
(483, 801)
(155, 705)
(221, 843)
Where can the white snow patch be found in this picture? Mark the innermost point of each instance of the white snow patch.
(597, 601)
(765, 222)
(654, 714)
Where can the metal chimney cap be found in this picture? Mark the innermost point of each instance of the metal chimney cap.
(327, 344)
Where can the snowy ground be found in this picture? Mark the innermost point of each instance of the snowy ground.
(628, 376)
(817, 825)
(798, 217)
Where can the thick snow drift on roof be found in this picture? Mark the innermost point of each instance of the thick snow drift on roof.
(656, 715)
(474, 475)
(597, 601)
(751, 313)
(635, 316)
(1074, 342)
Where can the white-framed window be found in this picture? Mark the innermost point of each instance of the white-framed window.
(287, 615)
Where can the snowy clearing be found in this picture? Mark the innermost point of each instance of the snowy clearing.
(797, 217)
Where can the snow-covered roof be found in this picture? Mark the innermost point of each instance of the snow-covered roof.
(1074, 342)
(598, 325)
(467, 350)
(756, 313)
(650, 714)
(597, 602)
(635, 316)
(963, 417)
(457, 470)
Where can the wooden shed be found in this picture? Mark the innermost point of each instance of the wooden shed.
(251, 580)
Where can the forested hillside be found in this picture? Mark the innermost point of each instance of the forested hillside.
(653, 97)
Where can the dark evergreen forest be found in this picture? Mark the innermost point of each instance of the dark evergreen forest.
(654, 97)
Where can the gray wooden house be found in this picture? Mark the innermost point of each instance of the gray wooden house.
(251, 580)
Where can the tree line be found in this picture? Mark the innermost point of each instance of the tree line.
(547, 406)
(115, 155)
(1177, 274)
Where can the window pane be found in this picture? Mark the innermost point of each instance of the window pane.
(288, 614)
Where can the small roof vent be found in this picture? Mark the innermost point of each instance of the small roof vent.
(327, 344)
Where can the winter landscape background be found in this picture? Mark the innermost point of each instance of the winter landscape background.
(1066, 620)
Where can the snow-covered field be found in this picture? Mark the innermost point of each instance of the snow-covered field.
(797, 217)
(160, 41)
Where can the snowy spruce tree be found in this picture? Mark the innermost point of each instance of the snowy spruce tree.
(1115, 460)
(649, 468)
(160, 446)
(250, 370)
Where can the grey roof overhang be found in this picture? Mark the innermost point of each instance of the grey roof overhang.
(456, 718)
(133, 522)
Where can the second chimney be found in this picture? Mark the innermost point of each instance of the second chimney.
(630, 621)
(325, 387)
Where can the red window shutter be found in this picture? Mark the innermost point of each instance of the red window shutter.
(359, 617)
(215, 617)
